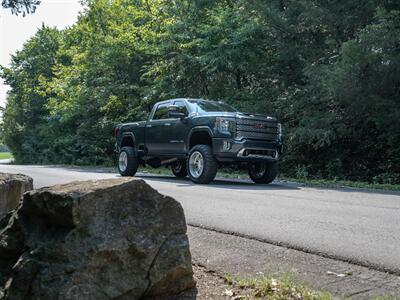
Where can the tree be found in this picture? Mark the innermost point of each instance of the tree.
(25, 116)
(21, 6)
(329, 70)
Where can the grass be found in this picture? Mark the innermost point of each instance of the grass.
(274, 289)
(282, 288)
(5, 155)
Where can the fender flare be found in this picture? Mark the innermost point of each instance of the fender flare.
(198, 129)
(131, 136)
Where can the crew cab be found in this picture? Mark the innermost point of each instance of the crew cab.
(195, 137)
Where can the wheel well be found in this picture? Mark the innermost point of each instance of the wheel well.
(127, 141)
(200, 137)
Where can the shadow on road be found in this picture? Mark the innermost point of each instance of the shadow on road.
(234, 184)
(239, 184)
(242, 184)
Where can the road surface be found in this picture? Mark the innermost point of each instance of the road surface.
(356, 226)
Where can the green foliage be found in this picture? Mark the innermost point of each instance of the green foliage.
(271, 288)
(5, 155)
(21, 6)
(25, 116)
(330, 71)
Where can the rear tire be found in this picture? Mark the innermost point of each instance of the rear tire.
(263, 172)
(179, 169)
(128, 162)
(201, 164)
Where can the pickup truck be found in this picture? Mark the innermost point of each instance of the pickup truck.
(195, 137)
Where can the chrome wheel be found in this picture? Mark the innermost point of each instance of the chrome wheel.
(127, 161)
(196, 164)
(201, 164)
(123, 161)
(263, 172)
(258, 170)
(177, 166)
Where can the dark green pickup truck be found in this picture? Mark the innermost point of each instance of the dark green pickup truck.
(196, 136)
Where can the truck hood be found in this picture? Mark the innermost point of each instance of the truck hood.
(241, 115)
(255, 116)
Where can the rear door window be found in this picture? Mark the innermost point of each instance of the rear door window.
(181, 107)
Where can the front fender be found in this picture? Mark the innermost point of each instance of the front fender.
(198, 129)
(201, 128)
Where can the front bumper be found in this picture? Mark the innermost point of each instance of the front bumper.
(230, 150)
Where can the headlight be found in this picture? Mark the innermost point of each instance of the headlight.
(225, 125)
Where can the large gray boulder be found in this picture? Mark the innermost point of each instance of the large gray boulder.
(107, 239)
(12, 187)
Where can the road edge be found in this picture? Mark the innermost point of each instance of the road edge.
(244, 257)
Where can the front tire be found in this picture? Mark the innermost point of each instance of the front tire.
(201, 164)
(263, 172)
(128, 162)
(179, 169)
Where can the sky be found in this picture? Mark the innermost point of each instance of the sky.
(15, 30)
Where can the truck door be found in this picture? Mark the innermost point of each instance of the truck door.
(165, 135)
(179, 130)
(157, 139)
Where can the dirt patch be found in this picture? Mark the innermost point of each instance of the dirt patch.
(210, 285)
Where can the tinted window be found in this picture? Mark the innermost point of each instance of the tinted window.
(161, 112)
(181, 107)
(209, 106)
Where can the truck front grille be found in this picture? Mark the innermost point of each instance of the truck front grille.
(256, 129)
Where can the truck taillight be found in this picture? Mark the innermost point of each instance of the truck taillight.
(116, 131)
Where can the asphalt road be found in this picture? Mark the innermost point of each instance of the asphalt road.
(356, 226)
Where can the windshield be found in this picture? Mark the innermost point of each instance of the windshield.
(211, 106)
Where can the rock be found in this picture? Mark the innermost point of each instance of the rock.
(12, 186)
(107, 239)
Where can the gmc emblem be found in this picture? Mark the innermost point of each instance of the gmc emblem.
(259, 126)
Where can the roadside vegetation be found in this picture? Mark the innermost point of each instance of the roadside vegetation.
(211, 285)
(328, 70)
(5, 155)
(271, 288)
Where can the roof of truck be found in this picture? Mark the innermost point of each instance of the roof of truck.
(188, 99)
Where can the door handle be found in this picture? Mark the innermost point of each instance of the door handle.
(167, 124)
(148, 125)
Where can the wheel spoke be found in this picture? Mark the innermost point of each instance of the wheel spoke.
(177, 166)
(123, 161)
(258, 170)
(196, 164)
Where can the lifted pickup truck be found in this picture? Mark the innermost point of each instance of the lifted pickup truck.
(196, 136)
